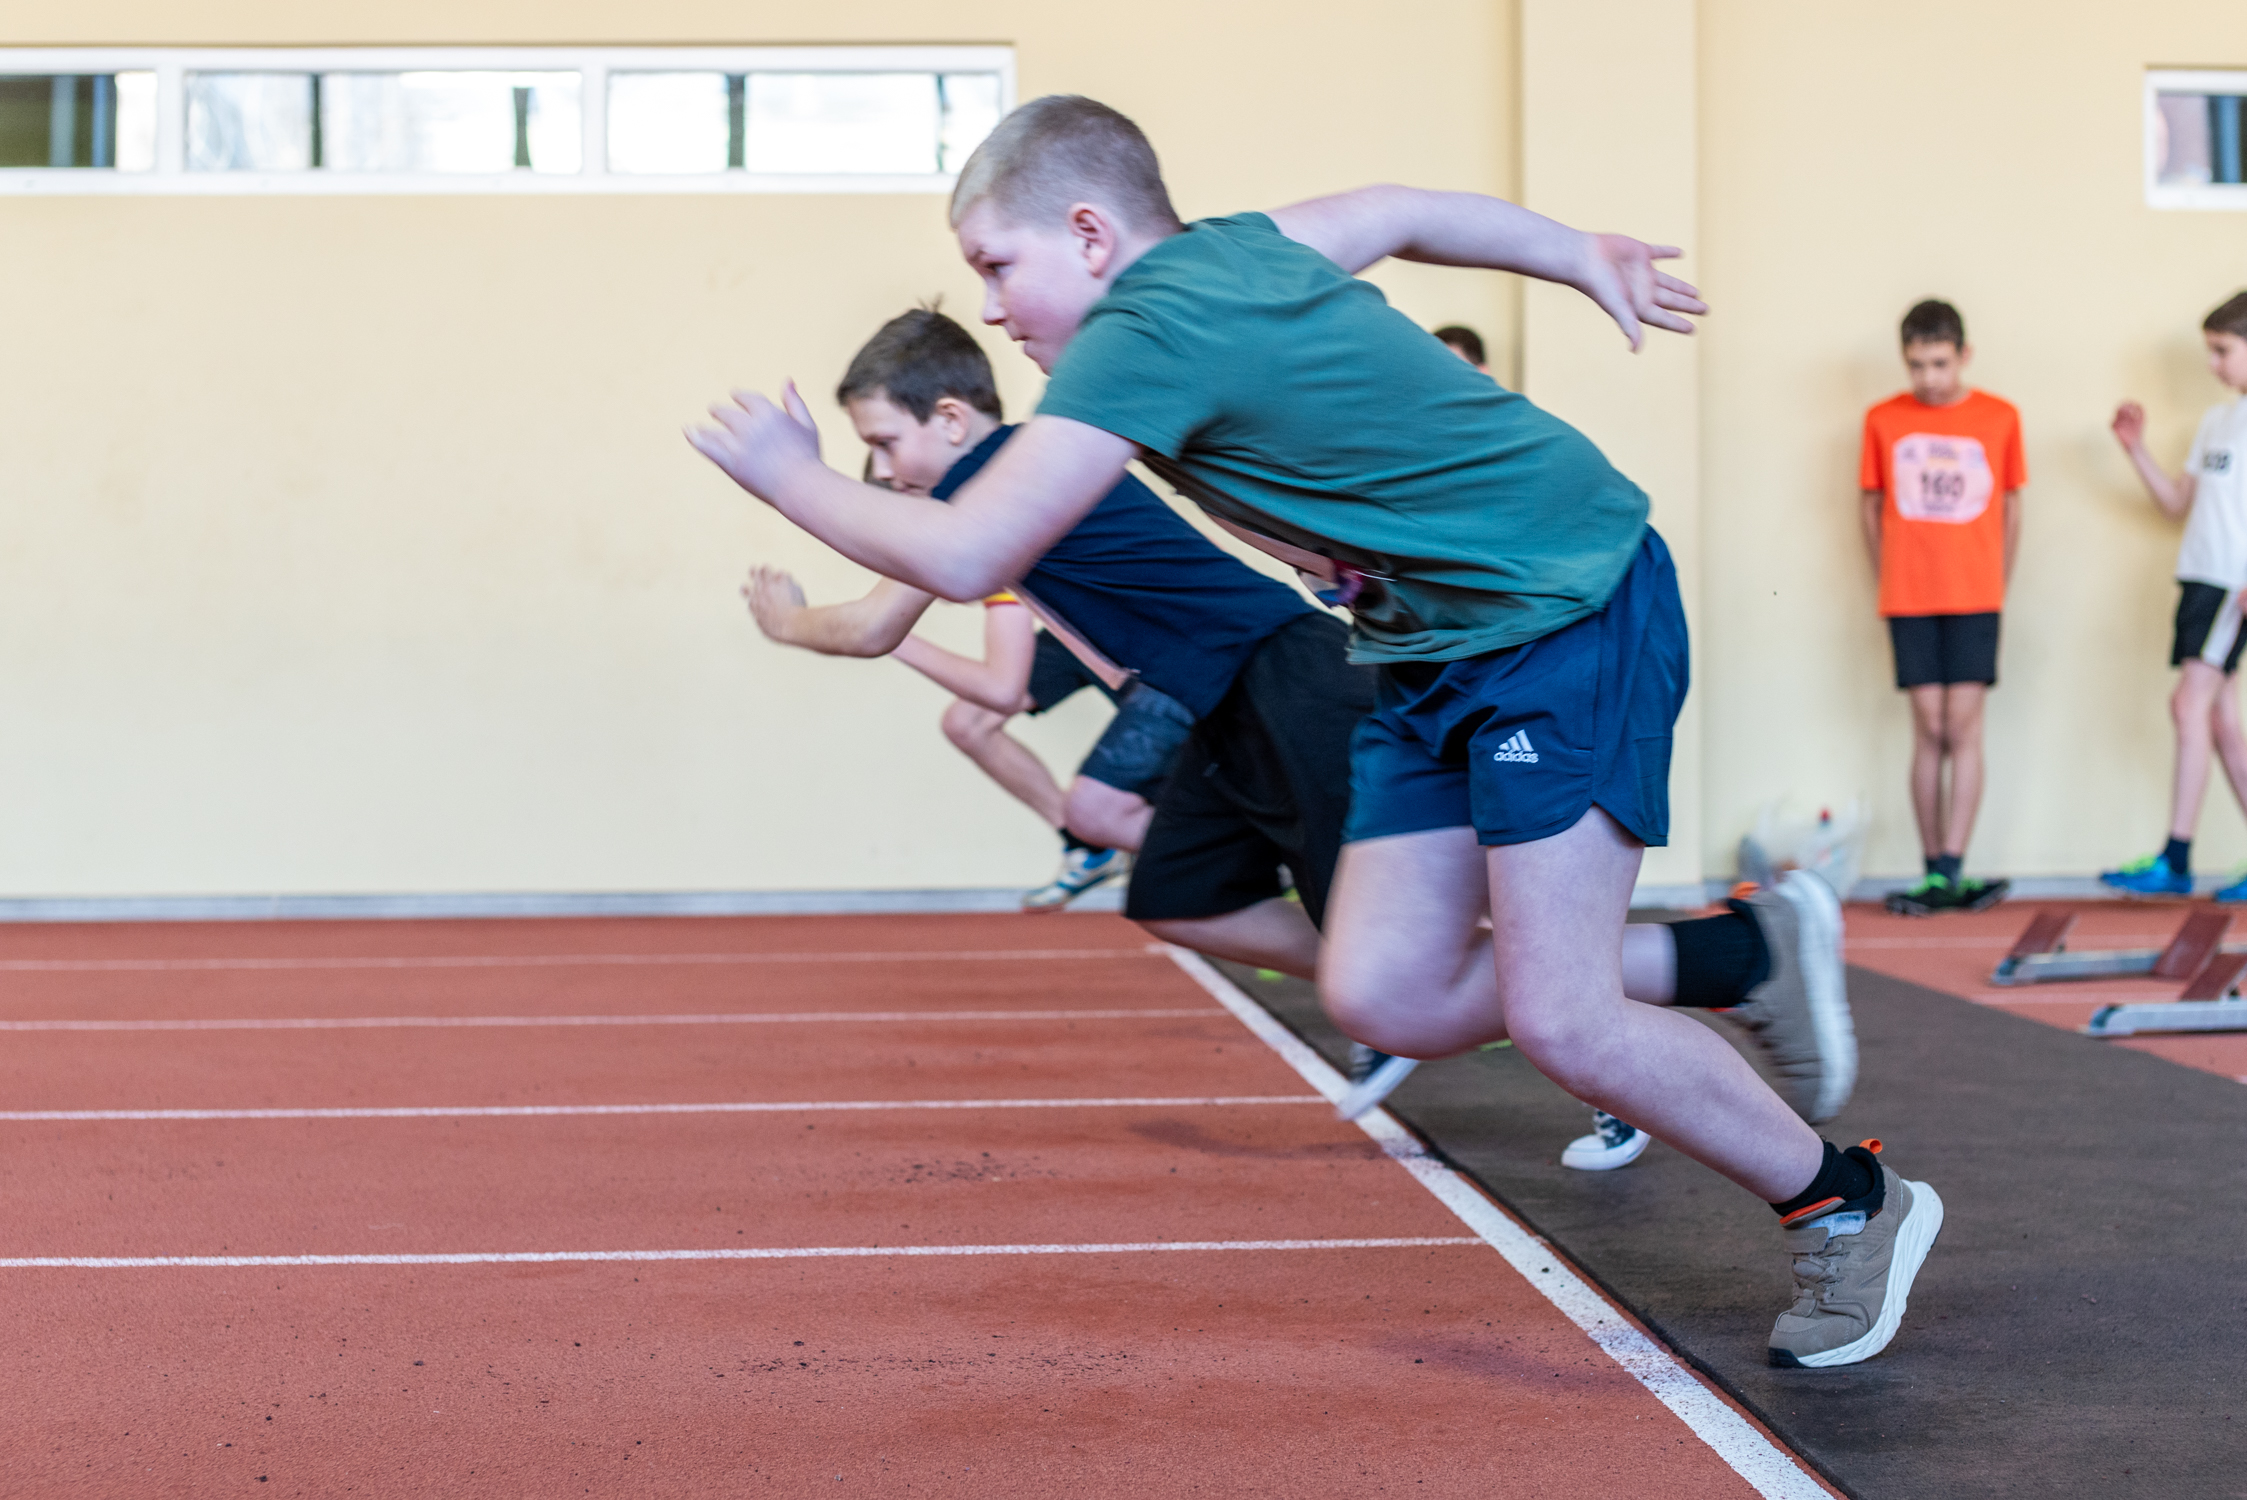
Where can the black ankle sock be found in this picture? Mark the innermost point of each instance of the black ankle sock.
(1719, 959)
(1947, 865)
(1072, 843)
(1843, 1177)
(2178, 856)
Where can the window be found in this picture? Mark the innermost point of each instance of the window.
(2196, 139)
(781, 119)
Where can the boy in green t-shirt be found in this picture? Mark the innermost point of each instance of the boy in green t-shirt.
(1525, 619)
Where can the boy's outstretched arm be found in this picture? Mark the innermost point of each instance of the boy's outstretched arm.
(875, 625)
(1356, 229)
(2172, 492)
(1042, 482)
(1001, 681)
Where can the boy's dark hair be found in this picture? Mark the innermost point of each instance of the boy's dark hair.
(1935, 322)
(917, 360)
(2230, 318)
(1065, 149)
(1464, 339)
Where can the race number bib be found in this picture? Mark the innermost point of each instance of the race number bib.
(1944, 479)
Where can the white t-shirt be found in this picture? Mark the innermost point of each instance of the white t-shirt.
(2215, 545)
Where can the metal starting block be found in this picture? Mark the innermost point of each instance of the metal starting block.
(2041, 954)
(2210, 1000)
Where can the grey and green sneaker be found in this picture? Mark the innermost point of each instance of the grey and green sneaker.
(1934, 893)
(1799, 1015)
(1853, 1268)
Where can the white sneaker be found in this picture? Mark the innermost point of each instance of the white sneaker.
(1611, 1144)
(1081, 870)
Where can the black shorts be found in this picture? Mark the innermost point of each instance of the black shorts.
(1944, 649)
(1136, 751)
(1056, 674)
(2207, 626)
(1262, 783)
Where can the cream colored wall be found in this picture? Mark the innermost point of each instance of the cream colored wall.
(351, 545)
(1854, 160)
(1608, 143)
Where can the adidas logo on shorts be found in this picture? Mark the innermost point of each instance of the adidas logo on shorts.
(1517, 748)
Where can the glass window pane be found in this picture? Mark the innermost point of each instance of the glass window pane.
(249, 122)
(2181, 139)
(58, 120)
(449, 122)
(842, 122)
(971, 112)
(667, 122)
(136, 122)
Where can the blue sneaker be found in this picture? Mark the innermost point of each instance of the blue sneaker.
(2235, 892)
(2151, 876)
(1081, 871)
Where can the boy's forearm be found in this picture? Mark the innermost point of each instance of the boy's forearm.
(976, 681)
(2012, 531)
(2172, 493)
(872, 626)
(1869, 506)
(921, 543)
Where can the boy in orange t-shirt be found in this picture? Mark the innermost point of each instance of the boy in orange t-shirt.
(1941, 476)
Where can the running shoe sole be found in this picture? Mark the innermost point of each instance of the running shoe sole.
(1826, 984)
(1364, 1098)
(1914, 1238)
(1591, 1153)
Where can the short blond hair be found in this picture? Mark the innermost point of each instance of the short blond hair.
(1066, 149)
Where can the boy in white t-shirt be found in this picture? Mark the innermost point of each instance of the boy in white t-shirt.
(2211, 576)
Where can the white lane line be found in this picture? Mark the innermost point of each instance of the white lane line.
(737, 1107)
(776, 1018)
(1769, 1469)
(809, 1252)
(553, 960)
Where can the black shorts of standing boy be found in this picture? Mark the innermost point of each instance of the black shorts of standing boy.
(1939, 650)
(1262, 783)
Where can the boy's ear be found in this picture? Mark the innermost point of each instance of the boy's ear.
(1097, 235)
(950, 415)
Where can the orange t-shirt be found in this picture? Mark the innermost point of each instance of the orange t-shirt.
(1945, 471)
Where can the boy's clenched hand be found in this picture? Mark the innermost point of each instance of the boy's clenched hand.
(759, 444)
(2130, 424)
(775, 599)
(1620, 275)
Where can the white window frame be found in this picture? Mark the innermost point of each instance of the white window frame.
(171, 65)
(2195, 195)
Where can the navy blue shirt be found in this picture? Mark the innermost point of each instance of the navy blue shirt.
(1149, 592)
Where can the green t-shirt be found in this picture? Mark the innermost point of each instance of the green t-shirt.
(1283, 394)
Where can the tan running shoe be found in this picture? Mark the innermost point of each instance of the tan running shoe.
(1853, 1270)
(1799, 1016)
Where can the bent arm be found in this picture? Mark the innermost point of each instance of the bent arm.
(2171, 492)
(1001, 681)
(872, 626)
(1358, 228)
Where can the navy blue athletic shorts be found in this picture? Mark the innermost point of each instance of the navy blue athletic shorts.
(1521, 743)
(1944, 650)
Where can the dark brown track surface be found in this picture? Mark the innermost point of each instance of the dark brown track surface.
(2076, 1331)
(1424, 1371)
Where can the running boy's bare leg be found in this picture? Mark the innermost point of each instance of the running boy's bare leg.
(1962, 742)
(1106, 815)
(1403, 924)
(981, 736)
(2231, 738)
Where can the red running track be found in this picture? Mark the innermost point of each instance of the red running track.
(759, 1206)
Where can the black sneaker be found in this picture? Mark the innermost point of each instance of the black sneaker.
(1981, 895)
(1934, 893)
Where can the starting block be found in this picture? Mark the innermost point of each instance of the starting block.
(2210, 1000)
(2040, 954)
